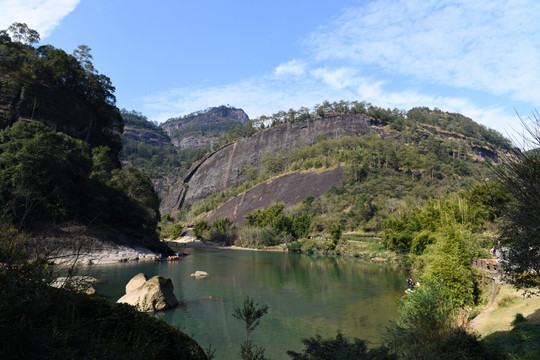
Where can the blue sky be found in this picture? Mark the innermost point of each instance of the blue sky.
(169, 58)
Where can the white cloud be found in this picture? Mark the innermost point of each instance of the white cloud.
(294, 67)
(269, 94)
(396, 54)
(40, 15)
(488, 47)
(336, 78)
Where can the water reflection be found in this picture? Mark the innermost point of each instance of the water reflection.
(307, 295)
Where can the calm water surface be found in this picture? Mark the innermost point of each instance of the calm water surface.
(307, 295)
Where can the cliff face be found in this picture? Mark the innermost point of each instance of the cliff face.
(211, 117)
(288, 189)
(139, 134)
(221, 169)
(200, 130)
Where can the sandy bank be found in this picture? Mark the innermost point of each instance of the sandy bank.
(190, 242)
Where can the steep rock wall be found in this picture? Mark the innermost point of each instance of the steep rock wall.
(221, 169)
(289, 189)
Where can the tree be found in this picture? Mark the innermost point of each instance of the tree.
(82, 54)
(426, 319)
(20, 32)
(251, 314)
(520, 230)
(335, 232)
(339, 348)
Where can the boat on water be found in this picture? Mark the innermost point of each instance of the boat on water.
(179, 255)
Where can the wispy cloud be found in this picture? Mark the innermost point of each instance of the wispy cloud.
(40, 15)
(396, 54)
(489, 46)
(294, 67)
(269, 94)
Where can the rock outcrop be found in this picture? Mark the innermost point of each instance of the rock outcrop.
(201, 129)
(146, 136)
(82, 284)
(155, 294)
(289, 189)
(221, 169)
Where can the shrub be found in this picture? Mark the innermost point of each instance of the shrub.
(177, 231)
(199, 228)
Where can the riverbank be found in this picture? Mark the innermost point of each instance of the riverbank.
(190, 242)
(509, 325)
(370, 251)
(75, 243)
(505, 302)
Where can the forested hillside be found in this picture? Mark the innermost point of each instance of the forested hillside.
(60, 142)
(63, 193)
(393, 159)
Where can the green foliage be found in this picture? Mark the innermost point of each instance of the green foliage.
(271, 163)
(520, 228)
(251, 314)
(412, 231)
(176, 231)
(335, 232)
(42, 173)
(47, 175)
(222, 231)
(426, 327)
(199, 228)
(518, 319)
(21, 33)
(60, 90)
(47, 323)
(522, 342)
(340, 348)
(449, 260)
(257, 237)
(277, 225)
(133, 200)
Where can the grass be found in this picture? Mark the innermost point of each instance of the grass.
(502, 309)
(510, 325)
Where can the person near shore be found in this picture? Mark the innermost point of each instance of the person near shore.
(410, 282)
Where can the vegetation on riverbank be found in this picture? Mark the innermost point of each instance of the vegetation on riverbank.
(39, 321)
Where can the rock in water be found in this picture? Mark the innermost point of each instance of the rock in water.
(153, 295)
(136, 282)
(199, 274)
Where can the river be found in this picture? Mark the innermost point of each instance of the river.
(306, 295)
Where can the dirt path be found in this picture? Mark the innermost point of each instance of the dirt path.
(505, 303)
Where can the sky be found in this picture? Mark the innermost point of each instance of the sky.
(168, 58)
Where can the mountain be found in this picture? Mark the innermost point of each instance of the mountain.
(369, 163)
(139, 129)
(201, 129)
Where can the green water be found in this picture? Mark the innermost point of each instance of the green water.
(307, 295)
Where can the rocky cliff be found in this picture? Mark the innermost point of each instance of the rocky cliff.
(288, 189)
(144, 135)
(221, 169)
(201, 129)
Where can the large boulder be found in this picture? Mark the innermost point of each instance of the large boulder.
(155, 294)
(136, 282)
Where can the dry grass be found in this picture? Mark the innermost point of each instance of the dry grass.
(503, 307)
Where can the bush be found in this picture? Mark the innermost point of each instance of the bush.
(427, 328)
(177, 231)
(199, 228)
(340, 348)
